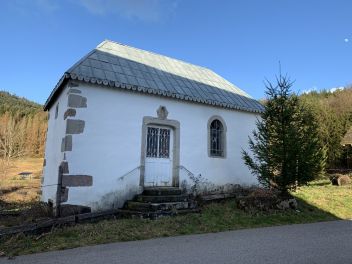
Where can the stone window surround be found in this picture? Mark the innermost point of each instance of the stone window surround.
(211, 119)
(175, 126)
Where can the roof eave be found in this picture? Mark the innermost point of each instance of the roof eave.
(56, 91)
(71, 76)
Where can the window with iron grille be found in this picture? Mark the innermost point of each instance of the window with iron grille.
(158, 142)
(216, 139)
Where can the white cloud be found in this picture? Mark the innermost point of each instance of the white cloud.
(307, 91)
(315, 89)
(334, 89)
(346, 40)
(147, 10)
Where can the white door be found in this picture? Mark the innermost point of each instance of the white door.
(158, 156)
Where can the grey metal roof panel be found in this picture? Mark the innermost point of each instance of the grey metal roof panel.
(126, 67)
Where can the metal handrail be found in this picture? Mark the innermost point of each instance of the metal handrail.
(123, 176)
(187, 170)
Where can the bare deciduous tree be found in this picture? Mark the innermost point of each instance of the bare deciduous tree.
(12, 143)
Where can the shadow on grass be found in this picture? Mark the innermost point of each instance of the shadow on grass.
(314, 213)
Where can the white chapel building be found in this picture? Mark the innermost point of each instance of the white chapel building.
(123, 119)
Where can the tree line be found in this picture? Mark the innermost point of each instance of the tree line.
(333, 113)
(298, 137)
(23, 126)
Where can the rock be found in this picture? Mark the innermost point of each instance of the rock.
(250, 203)
(241, 204)
(340, 179)
(343, 180)
(260, 199)
(283, 205)
(293, 204)
(287, 204)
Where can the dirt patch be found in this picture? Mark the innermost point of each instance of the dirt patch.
(19, 197)
(13, 187)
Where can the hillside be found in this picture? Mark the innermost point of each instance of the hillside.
(22, 127)
(14, 104)
(333, 111)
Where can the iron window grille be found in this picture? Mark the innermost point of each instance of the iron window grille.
(158, 143)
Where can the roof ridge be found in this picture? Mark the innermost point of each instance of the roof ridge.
(188, 63)
(159, 74)
(151, 52)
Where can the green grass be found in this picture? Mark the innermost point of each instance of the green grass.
(215, 217)
(318, 202)
(336, 200)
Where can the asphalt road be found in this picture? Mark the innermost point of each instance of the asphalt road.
(328, 242)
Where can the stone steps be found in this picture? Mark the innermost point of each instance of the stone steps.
(156, 202)
(143, 207)
(156, 191)
(161, 198)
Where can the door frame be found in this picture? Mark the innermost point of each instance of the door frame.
(175, 126)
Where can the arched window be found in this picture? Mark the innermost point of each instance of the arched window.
(217, 138)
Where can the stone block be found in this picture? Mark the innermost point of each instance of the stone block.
(77, 101)
(69, 112)
(74, 126)
(77, 180)
(64, 194)
(72, 90)
(64, 167)
(66, 143)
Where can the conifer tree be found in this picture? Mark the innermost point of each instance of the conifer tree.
(285, 148)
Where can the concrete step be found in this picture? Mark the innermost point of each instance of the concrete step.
(155, 191)
(161, 198)
(144, 207)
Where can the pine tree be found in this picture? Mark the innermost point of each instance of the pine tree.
(286, 149)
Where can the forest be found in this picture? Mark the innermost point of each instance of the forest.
(333, 111)
(23, 124)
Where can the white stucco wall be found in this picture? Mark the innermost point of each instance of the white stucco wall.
(110, 145)
(53, 154)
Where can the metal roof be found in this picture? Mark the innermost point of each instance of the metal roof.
(120, 66)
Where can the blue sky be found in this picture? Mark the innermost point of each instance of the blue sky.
(242, 40)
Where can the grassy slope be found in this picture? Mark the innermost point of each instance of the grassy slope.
(318, 202)
(336, 200)
(214, 218)
(12, 103)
